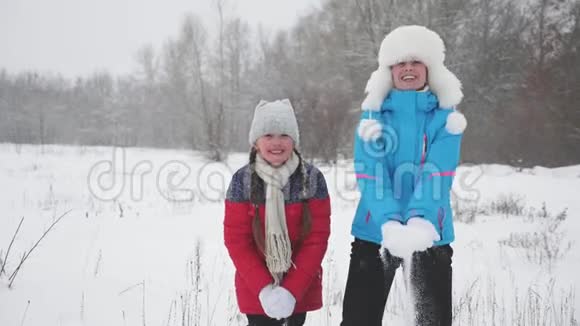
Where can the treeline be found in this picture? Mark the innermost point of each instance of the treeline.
(519, 63)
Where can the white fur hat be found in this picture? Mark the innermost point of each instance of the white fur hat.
(274, 118)
(408, 43)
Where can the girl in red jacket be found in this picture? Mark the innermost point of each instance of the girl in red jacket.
(277, 223)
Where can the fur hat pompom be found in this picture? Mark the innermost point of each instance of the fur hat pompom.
(456, 123)
(369, 129)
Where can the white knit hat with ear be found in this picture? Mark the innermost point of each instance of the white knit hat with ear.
(409, 43)
(274, 118)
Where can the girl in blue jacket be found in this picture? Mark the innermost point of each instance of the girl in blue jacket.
(406, 151)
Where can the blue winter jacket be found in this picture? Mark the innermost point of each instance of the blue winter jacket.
(409, 170)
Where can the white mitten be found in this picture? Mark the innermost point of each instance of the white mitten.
(396, 239)
(423, 232)
(265, 300)
(277, 302)
(284, 302)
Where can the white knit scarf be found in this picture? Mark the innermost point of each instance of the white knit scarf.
(278, 247)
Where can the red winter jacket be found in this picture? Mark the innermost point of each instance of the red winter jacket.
(304, 279)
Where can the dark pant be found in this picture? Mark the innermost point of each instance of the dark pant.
(370, 277)
(261, 320)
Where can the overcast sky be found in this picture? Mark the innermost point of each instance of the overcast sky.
(75, 37)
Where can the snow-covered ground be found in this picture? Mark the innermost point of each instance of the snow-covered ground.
(142, 243)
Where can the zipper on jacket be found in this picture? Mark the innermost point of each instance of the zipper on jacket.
(440, 219)
(424, 152)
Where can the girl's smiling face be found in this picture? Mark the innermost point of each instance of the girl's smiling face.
(275, 148)
(409, 75)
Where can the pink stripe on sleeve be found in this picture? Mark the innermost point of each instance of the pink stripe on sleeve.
(443, 174)
(365, 176)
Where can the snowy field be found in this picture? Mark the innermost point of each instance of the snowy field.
(142, 241)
